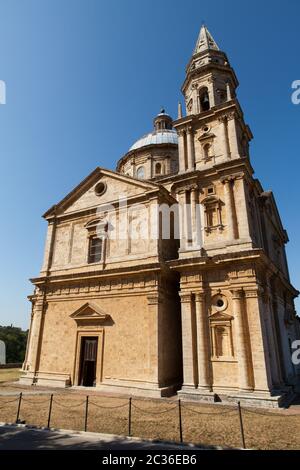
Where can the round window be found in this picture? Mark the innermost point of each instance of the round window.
(219, 302)
(100, 188)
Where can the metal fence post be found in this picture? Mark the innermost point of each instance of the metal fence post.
(180, 420)
(86, 413)
(19, 407)
(50, 411)
(129, 417)
(241, 425)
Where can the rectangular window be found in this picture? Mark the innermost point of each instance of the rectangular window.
(211, 216)
(95, 250)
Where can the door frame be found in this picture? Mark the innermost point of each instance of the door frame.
(99, 333)
(95, 339)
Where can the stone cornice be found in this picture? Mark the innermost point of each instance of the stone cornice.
(111, 287)
(206, 68)
(110, 274)
(214, 261)
(216, 171)
(154, 299)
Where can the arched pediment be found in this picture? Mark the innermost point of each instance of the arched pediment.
(89, 312)
(95, 222)
(211, 200)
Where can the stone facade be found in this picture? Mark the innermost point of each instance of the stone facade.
(207, 310)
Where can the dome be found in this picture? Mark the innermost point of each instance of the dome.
(165, 136)
(155, 155)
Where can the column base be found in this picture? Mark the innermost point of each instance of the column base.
(202, 394)
(254, 398)
(138, 388)
(27, 378)
(45, 379)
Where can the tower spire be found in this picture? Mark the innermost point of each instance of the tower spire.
(205, 41)
(209, 90)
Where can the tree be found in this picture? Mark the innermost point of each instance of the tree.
(15, 340)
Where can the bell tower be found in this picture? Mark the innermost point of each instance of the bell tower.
(213, 130)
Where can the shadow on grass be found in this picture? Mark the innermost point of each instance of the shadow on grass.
(22, 438)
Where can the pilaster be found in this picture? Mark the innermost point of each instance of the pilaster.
(190, 149)
(188, 352)
(203, 350)
(233, 135)
(242, 341)
(232, 229)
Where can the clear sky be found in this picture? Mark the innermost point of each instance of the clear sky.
(84, 79)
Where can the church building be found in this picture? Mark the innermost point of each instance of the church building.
(169, 275)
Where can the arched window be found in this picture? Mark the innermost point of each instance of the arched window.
(158, 169)
(204, 100)
(140, 173)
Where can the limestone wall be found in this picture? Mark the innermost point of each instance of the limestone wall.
(126, 342)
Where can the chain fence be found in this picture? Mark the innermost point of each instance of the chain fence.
(229, 426)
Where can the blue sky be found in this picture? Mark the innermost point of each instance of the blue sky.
(84, 79)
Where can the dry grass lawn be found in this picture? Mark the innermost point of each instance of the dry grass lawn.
(158, 419)
(9, 374)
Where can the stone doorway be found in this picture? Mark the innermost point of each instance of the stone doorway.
(88, 361)
(89, 344)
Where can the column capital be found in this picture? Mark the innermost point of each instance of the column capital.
(38, 304)
(199, 296)
(237, 294)
(185, 297)
(226, 180)
(231, 115)
(223, 118)
(179, 191)
(231, 178)
(184, 189)
(255, 292)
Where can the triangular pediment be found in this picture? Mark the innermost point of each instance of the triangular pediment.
(85, 195)
(220, 316)
(89, 311)
(206, 136)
